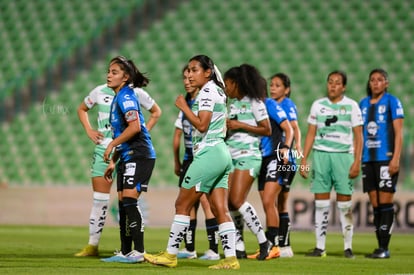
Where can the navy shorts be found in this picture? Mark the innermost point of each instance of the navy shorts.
(375, 176)
(134, 174)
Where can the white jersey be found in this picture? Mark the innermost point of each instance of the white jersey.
(102, 97)
(249, 111)
(334, 123)
(210, 98)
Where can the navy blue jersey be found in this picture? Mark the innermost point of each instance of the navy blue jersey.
(292, 114)
(187, 130)
(378, 127)
(140, 145)
(270, 145)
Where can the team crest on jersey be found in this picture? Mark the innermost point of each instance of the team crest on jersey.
(342, 111)
(382, 109)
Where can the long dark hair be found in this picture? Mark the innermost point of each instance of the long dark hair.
(136, 78)
(249, 81)
(376, 70)
(285, 79)
(207, 63)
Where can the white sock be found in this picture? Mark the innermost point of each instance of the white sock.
(227, 232)
(252, 221)
(238, 223)
(321, 222)
(97, 216)
(345, 217)
(177, 232)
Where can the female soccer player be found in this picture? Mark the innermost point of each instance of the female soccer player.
(183, 126)
(280, 90)
(101, 97)
(132, 144)
(383, 117)
(208, 173)
(247, 122)
(335, 134)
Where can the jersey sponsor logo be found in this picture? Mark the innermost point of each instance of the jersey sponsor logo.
(331, 120)
(206, 102)
(370, 144)
(372, 128)
(400, 111)
(128, 104)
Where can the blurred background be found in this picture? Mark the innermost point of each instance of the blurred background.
(53, 53)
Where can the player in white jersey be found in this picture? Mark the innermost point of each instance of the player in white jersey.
(248, 120)
(208, 173)
(101, 97)
(335, 134)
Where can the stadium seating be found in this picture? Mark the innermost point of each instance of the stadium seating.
(305, 39)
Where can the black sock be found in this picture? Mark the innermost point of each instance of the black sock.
(134, 223)
(190, 236)
(387, 219)
(284, 229)
(212, 234)
(272, 235)
(125, 237)
(377, 218)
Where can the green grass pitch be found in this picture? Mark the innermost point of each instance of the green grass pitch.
(49, 250)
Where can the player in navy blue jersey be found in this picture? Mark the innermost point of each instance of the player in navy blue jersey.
(280, 90)
(383, 117)
(133, 148)
(275, 154)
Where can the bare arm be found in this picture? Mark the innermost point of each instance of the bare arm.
(200, 122)
(310, 138)
(155, 115)
(287, 129)
(394, 165)
(176, 150)
(358, 141)
(298, 135)
(133, 128)
(94, 135)
(262, 129)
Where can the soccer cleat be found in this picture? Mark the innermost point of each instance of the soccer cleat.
(227, 263)
(210, 255)
(133, 257)
(348, 253)
(286, 252)
(316, 252)
(89, 250)
(241, 254)
(117, 258)
(163, 258)
(273, 253)
(185, 254)
(379, 253)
